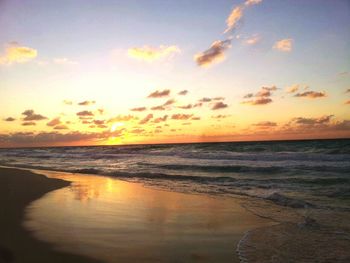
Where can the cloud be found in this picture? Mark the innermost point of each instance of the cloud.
(31, 116)
(164, 105)
(215, 54)
(237, 14)
(186, 107)
(181, 116)
(139, 109)
(252, 2)
(249, 95)
(159, 94)
(68, 102)
(347, 102)
(169, 102)
(219, 105)
(293, 88)
(146, 119)
(9, 119)
(232, 20)
(14, 53)
(347, 91)
(122, 118)
(183, 92)
(205, 99)
(29, 123)
(137, 131)
(56, 138)
(161, 119)
(160, 107)
(101, 111)
(64, 61)
(284, 45)
(54, 122)
(220, 116)
(150, 54)
(252, 40)
(99, 122)
(196, 118)
(265, 124)
(262, 97)
(311, 94)
(313, 121)
(87, 102)
(259, 101)
(85, 113)
(61, 127)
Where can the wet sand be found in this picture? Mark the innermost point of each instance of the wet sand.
(117, 221)
(17, 189)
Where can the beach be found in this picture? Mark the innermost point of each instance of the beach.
(106, 219)
(17, 189)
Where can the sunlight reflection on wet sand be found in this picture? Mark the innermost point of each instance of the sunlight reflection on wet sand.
(118, 221)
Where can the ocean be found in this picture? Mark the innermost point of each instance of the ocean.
(299, 174)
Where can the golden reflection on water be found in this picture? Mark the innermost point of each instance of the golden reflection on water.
(117, 221)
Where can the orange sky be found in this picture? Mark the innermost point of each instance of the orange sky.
(214, 78)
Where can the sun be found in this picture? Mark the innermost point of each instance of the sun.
(116, 125)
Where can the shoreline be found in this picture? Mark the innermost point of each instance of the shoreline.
(130, 200)
(232, 240)
(18, 188)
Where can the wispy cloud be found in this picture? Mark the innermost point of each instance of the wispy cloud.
(181, 116)
(150, 54)
(265, 124)
(54, 122)
(87, 103)
(237, 14)
(14, 53)
(284, 45)
(160, 119)
(146, 119)
(313, 121)
(311, 94)
(293, 88)
(186, 107)
(64, 61)
(159, 107)
(122, 118)
(139, 109)
(215, 54)
(252, 40)
(159, 94)
(68, 102)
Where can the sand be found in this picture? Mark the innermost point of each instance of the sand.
(17, 189)
(111, 220)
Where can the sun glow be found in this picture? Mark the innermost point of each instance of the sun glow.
(116, 125)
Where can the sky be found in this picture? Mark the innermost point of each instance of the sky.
(88, 72)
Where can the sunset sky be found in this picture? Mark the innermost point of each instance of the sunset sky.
(87, 72)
